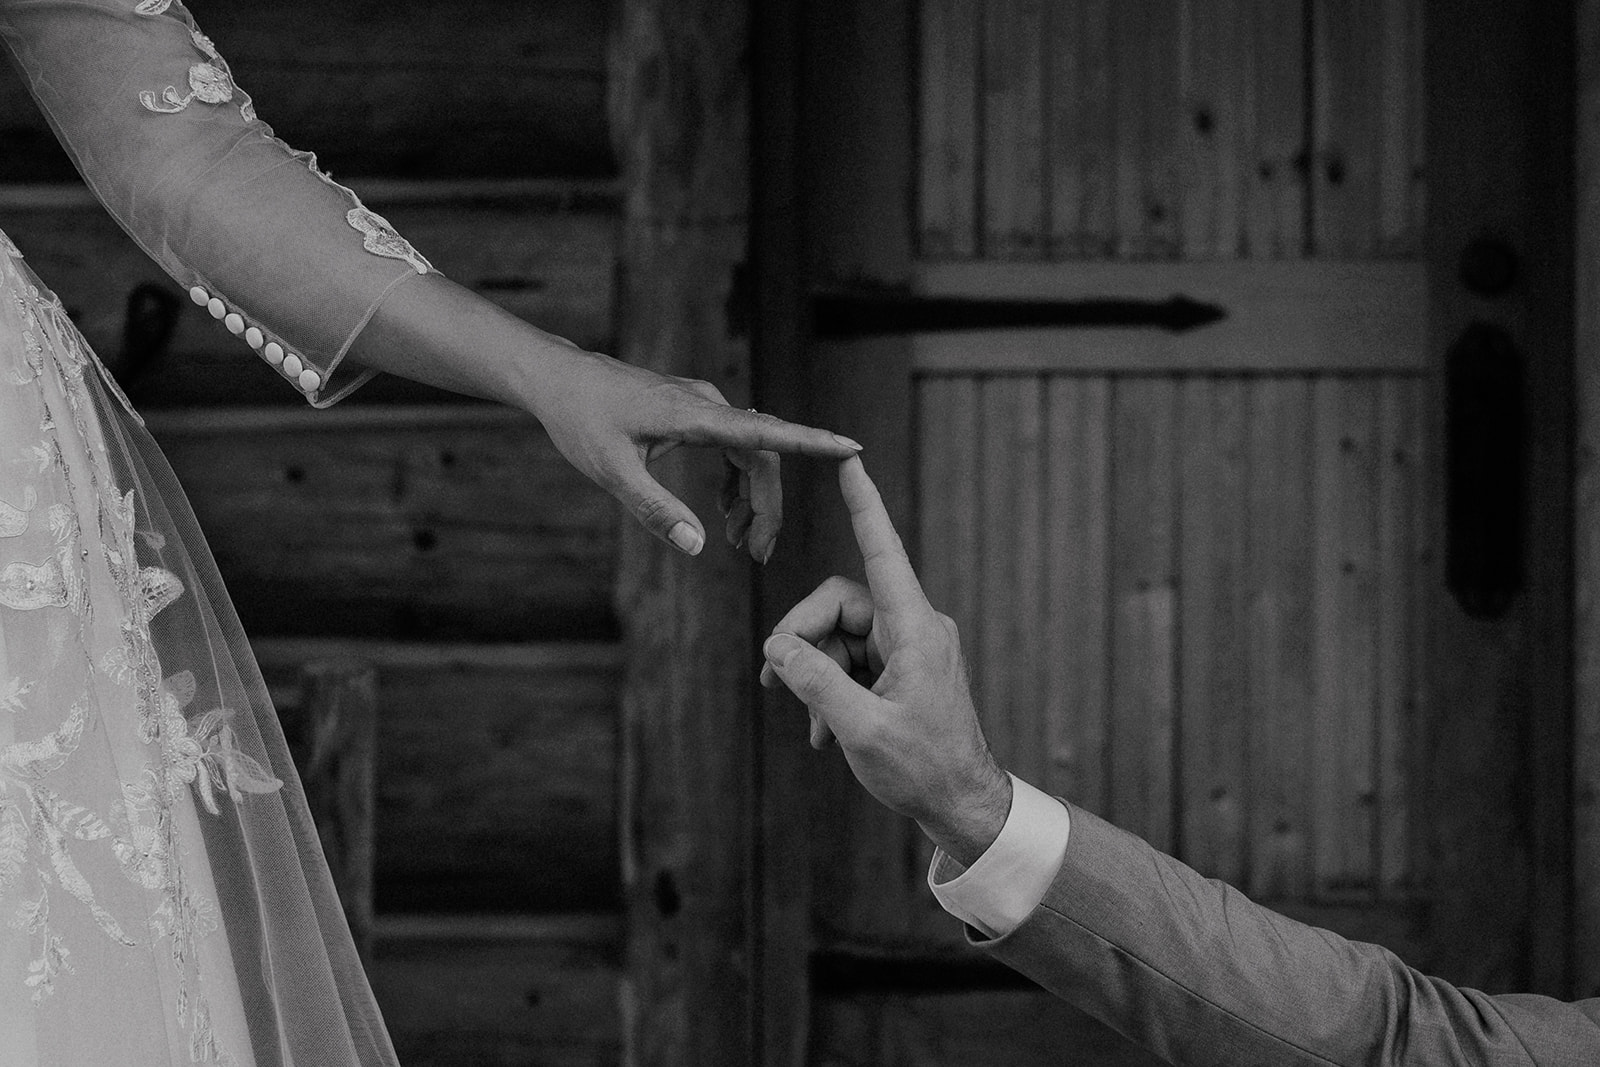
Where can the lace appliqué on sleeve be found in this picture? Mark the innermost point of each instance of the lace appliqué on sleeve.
(211, 82)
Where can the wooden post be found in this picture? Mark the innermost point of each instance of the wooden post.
(1586, 509)
(338, 735)
(687, 777)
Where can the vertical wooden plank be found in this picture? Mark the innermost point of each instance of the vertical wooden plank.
(949, 149)
(1013, 129)
(1345, 628)
(1400, 563)
(949, 499)
(1499, 690)
(1144, 414)
(1347, 67)
(1213, 756)
(1147, 109)
(1077, 572)
(867, 887)
(1218, 125)
(1028, 751)
(1586, 518)
(1081, 147)
(931, 554)
(858, 156)
(1006, 678)
(688, 748)
(1280, 597)
(1399, 224)
(1275, 216)
(788, 771)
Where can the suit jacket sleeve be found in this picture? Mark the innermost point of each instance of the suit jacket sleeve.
(1193, 970)
(148, 110)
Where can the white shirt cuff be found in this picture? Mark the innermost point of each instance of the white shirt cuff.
(1007, 882)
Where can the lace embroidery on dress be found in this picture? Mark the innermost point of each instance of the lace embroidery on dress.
(43, 833)
(211, 82)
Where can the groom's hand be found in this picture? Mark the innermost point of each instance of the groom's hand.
(913, 738)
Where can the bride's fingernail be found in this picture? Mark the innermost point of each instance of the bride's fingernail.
(768, 554)
(686, 538)
(843, 440)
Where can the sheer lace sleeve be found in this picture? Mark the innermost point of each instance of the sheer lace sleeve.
(284, 257)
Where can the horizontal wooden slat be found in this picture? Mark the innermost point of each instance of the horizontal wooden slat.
(495, 774)
(475, 529)
(1280, 317)
(1019, 1028)
(499, 994)
(402, 87)
(545, 252)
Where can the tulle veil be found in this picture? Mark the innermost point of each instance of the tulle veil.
(163, 896)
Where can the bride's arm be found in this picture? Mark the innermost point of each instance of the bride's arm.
(325, 290)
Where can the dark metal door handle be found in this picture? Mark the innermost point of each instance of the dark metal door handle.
(1484, 470)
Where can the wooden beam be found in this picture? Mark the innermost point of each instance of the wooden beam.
(681, 112)
(1586, 515)
(398, 87)
(1496, 725)
(501, 757)
(373, 522)
(786, 762)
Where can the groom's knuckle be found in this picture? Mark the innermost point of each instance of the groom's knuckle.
(838, 589)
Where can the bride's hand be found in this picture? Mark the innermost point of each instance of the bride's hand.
(610, 419)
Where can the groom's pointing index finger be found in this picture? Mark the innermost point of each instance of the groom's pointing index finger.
(894, 584)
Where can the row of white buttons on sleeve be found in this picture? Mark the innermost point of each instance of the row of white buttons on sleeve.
(287, 362)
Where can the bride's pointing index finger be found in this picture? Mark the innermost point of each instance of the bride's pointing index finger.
(894, 584)
(728, 427)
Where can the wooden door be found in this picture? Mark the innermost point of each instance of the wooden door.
(1189, 504)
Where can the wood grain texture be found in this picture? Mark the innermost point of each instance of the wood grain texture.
(1144, 607)
(1213, 697)
(1081, 146)
(1345, 624)
(1280, 640)
(1217, 123)
(1013, 130)
(948, 168)
(471, 525)
(1075, 631)
(1497, 830)
(1402, 561)
(1365, 169)
(467, 992)
(1007, 682)
(687, 776)
(496, 770)
(1147, 46)
(546, 253)
(480, 88)
(1275, 163)
(1586, 518)
(1024, 1028)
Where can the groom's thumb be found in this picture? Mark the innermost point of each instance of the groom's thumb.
(810, 674)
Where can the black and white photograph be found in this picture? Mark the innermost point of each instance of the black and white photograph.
(800, 533)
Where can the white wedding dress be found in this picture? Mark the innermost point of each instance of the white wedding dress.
(163, 897)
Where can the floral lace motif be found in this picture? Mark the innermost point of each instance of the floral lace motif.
(211, 82)
(46, 839)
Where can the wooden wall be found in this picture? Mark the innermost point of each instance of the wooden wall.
(444, 541)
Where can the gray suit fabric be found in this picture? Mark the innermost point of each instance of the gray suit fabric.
(1191, 969)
